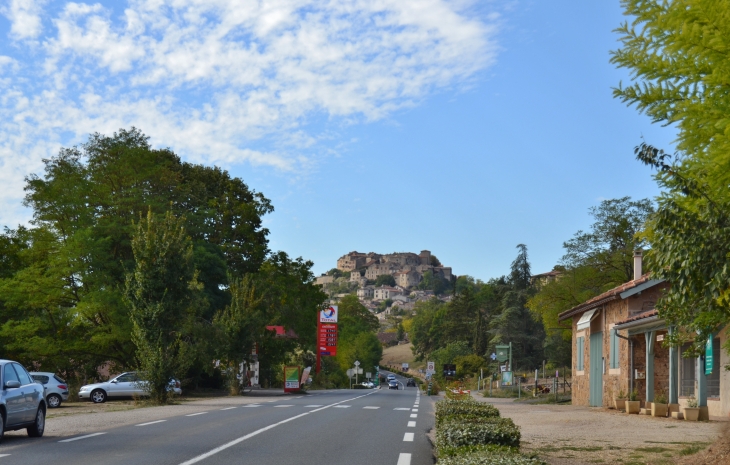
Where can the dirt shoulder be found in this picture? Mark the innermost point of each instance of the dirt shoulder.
(568, 434)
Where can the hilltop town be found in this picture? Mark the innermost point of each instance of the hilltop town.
(388, 282)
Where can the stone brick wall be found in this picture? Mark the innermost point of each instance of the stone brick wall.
(661, 365)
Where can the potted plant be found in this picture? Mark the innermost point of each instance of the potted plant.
(691, 411)
(659, 406)
(620, 400)
(633, 404)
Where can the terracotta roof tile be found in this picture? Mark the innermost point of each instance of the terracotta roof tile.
(639, 316)
(607, 296)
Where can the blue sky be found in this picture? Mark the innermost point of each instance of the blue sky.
(456, 126)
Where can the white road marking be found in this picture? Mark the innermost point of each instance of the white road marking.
(408, 437)
(401, 409)
(283, 406)
(414, 410)
(311, 406)
(4, 455)
(252, 405)
(414, 415)
(272, 400)
(371, 408)
(404, 459)
(82, 437)
(250, 435)
(342, 406)
(150, 423)
(228, 408)
(297, 397)
(194, 414)
(411, 424)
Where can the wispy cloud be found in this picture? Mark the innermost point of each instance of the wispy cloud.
(223, 81)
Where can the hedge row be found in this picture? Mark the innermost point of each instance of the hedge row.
(452, 408)
(486, 457)
(490, 430)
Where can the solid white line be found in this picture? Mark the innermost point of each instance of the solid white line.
(193, 414)
(150, 423)
(404, 459)
(401, 409)
(311, 406)
(259, 431)
(408, 437)
(228, 408)
(411, 424)
(283, 406)
(82, 437)
(414, 415)
(371, 408)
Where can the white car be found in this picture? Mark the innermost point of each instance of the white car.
(127, 384)
(367, 384)
(56, 387)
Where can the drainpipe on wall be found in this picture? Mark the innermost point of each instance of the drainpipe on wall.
(631, 359)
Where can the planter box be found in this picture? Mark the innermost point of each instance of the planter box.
(659, 410)
(691, 414)
(620, 404)
(633, 406)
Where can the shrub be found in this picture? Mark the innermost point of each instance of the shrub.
(451, 407)
(492, 430)
(493, 456)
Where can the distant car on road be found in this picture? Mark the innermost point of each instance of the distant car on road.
(127, 384)
(391, 377)
(411, 382)
(22, 404)
(368, 384)
(56, 387)
(393, 384)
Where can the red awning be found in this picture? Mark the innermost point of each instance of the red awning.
(279, 331)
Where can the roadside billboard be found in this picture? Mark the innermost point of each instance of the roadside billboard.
(291, 379)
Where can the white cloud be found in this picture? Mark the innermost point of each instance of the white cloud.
(25, 19)
(225, 81)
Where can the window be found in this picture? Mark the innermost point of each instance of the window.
(41, 378)
(9, 374)
(580, 352)
(614, 348)
(22, 374)
(687, 373)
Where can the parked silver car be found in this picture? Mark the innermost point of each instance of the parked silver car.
(22, 404)
(127, 384)
(56, 387)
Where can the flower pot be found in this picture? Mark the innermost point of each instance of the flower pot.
(620, 404)
(658, 410)
(691, 413)
(633, 406)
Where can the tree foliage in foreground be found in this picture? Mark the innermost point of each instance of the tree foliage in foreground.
(677, 54)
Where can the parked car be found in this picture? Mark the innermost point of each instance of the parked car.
(393, 384)
(367, 384)
(22, 404)
(56, 387)
(127, 384)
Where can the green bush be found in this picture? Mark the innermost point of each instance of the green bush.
(492, 430)
(469, 407)
(490, 456)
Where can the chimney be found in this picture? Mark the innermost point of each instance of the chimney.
(637, 263)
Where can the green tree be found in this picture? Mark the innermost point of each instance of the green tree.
(161, 292)
(676, 52)
(385, 280)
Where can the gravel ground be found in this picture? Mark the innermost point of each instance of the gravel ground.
(568, 434)
(74, 418)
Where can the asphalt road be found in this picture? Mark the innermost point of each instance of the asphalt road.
(365, 427)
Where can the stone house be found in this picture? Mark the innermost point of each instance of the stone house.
(324, 279)
(386, 292)
(407, 278)
(618, 346)
(351, 261)
(366, 292)
(378, 269)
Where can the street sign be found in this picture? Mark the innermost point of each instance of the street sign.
(357, 364)
(404, 366)
(291, 379)
(493, 356)
(431, 367)
(502, 352)
(358, 371)
(368, 375)
(507, 379)
(709, 356)
(350, 373)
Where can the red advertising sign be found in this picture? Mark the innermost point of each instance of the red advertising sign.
(327, 338)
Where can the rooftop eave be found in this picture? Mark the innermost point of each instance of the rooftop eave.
(581, 309)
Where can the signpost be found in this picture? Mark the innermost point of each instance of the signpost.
(430, 368)
(326, 334)
(291, 379)
(404, 366)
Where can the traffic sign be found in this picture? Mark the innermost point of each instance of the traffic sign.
(493, 356)
(357, 364)
(350, 373)
(368, 375)
(431, 367)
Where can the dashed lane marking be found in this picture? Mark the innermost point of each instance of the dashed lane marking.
(408, 437)
(194, 414)
(4, 455)
(252, 405)
(401, 408)
(371, 408)
(150, 423)
(312, 406)
(283, 406)
(414, 415)
(228, 408)
(414, 410)
(341, 406)
(82, 437)
(404, 459)
(411, 424)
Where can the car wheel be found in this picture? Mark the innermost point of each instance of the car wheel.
(98, 396)
(53, 400)
(39, 426)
